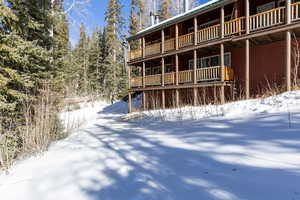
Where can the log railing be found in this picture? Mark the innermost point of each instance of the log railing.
(235, 26)
(136, 82)
(170, 78)
(295, 11)
(202, 75)
(185, 76)
(186, 40)
(137, 53)
(266, 19)
(153, 80)
(209, 33)
(170, 44)
(153, 49)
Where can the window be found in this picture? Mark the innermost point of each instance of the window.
(265, 7)
(156, 70)
(148, 71)
(191, 63)
(212, 61)
(281, 3)
(168, 68)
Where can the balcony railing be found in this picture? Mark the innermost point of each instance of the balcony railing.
(202, 75)
(295, 11)
(170, 44)
(186, 40)
(266, 19)
(235, 26)
(134, 54)
(153, 49)
(209, 33)
(153, 80)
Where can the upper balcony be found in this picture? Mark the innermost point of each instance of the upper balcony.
(213, 31)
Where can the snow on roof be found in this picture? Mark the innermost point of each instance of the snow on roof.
(180, 16)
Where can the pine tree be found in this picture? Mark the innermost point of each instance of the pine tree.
(165, 9)
(114, 60)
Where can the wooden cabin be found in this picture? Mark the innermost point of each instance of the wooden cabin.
(217, 52)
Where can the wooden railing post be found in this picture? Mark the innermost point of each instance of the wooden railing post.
(247, 11)
(195, 31)
(176, 37)
(195, 67)
(144, 74)
(222, 22)
(162, 41)
(143, 47)
(288, 11)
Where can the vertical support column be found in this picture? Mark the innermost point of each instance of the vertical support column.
(222, 89)
(176, 37)
(222, 22)
(163, 82)
(143, 47)
(247, 12)
(162, 41)
(288, 60)
(129, 90)
(288, 11)
(195, 79)
(177, 79)
(247, 69)
(144, 85)
(195, 31)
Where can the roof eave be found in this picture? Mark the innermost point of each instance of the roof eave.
(203, 10)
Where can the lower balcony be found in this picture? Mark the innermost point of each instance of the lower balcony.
(209, 74)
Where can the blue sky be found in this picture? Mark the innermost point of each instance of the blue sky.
(94, 16)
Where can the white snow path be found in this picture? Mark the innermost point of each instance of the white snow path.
(255, 157)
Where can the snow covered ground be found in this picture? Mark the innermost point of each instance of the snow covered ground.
(248, 150)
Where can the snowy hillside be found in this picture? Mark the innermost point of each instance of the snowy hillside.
(247, 150)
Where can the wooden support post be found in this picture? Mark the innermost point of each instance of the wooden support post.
(162, 41)
(288, 11)
(247, 11)
(177, 79)
(163, 99)
(195, 98)
(288, 60)
(144, 75)
(143, 47)
(129, 102)
(222, 22)
(195, 67)
(195, 31)
(247, 69)
(176, 37)
(222, 89)
(163, 71)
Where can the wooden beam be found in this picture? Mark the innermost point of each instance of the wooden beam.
(195, 98)
(177, 69)
(163, 99)
(247, 13)
(144, 100)
(247, 69)
(195, 67)
(143, 47)
(222, 22)
(176, 37)
(177, 97)
(288, 11)
(162, 71)
(222, 63)
(288, 60)
(162, 41)
(144, 75)
(195, 31)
